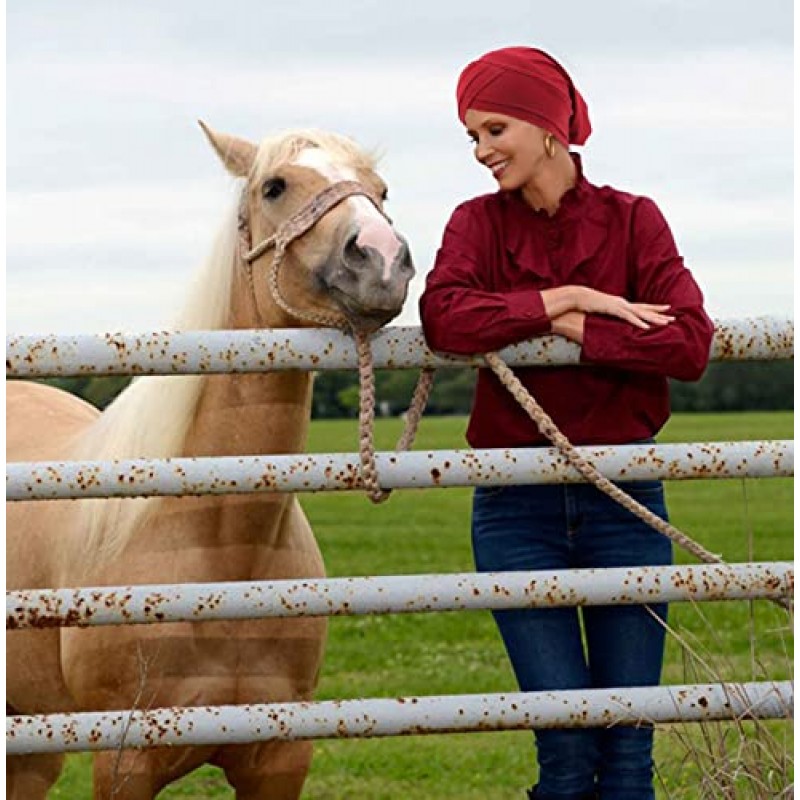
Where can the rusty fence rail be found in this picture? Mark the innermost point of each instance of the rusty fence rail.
(402, 716)
(209, 352)
(55, 480)
(394, 594)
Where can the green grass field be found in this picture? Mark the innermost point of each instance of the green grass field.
(386, 656)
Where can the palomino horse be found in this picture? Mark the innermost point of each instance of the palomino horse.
(350, 263)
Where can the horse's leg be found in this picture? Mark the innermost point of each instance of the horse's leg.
(124, 774)
(29, 777)
(141, 774)
(267, 770)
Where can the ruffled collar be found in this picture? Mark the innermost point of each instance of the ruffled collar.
(571, 237)
(571, 201)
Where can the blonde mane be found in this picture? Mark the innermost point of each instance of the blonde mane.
(151, 418)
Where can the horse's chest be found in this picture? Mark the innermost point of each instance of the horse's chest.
(202, 664)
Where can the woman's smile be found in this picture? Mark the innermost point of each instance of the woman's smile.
(498, 168)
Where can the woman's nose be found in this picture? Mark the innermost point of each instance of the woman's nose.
(482, 151)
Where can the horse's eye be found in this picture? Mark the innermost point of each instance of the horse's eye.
(384, 195)
(273, 188)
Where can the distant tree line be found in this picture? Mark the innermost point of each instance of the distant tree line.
(726, 386)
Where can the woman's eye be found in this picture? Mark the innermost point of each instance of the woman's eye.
(273, 188)
(496, 130)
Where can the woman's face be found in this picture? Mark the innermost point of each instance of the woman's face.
(511, 148)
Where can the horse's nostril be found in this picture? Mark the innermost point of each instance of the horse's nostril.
(352, 249)
(405, 261)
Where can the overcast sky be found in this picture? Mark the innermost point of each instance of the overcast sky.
(113, 195)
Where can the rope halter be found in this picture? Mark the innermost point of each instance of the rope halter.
(293, 228)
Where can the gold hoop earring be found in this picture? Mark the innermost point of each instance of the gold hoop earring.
(550, 145)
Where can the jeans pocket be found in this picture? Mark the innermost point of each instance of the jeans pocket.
(649, 494)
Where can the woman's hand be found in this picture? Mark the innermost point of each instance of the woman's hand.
(642, 315)
(565, 299)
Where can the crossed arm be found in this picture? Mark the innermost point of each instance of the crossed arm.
(664, 330)
(567, 307)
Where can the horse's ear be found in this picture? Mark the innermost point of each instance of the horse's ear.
(236, 154)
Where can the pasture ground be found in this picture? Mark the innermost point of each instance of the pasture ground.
(424, 531)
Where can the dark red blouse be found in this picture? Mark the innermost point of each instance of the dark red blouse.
(484, 293)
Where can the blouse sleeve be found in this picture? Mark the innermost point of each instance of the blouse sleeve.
(459, 313)
(679, 349)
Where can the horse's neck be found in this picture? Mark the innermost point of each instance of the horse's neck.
(251, 414)
(242, 535)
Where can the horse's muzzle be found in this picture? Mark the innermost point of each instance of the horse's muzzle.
(368, 292)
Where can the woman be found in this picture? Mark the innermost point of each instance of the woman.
(549, 252)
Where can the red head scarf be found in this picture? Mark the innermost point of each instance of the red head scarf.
(527, 84)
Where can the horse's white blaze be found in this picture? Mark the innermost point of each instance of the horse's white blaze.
(374, 230)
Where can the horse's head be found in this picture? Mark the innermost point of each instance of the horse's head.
(319, 195)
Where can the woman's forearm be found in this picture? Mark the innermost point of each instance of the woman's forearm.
(560, 300)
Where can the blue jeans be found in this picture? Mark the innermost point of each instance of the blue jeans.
(568, 527)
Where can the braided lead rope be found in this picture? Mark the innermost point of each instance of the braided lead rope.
(584, 467)
(366, 417)
(419, 400)
(366, 420)
(591, 473)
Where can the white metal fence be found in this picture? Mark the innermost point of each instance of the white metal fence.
(257, 351)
